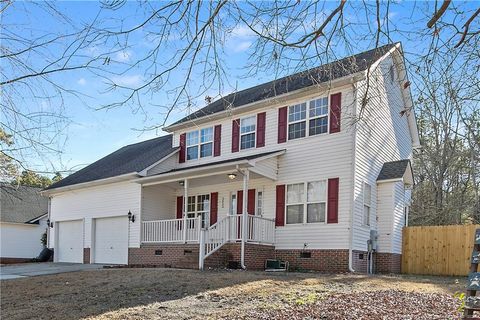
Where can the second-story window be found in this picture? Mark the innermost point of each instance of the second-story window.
(247, 132)
(199, 143)
(315, 121)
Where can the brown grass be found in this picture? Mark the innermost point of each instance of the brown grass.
(186, 294)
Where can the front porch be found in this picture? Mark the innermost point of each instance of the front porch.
(228, 229)
(210, 206)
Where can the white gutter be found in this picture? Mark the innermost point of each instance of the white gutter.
(187, 171)
(123, 177)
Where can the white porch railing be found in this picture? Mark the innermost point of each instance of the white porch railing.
(170, 230)
(260, 230)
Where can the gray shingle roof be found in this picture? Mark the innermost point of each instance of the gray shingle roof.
(323, 73)
(21, 203)
(129, 159)
(393, 170)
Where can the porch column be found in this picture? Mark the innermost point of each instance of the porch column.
(185, 206)
(246, 178)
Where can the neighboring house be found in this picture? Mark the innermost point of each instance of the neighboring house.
(23, 221)
(282, 170)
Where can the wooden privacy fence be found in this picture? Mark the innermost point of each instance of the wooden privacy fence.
(438, 250)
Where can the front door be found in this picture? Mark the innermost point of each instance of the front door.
(199, 206)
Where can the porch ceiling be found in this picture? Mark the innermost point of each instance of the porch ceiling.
(216, 172)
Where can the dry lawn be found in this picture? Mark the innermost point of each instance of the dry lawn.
(190, 294)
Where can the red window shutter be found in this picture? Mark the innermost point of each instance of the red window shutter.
(235, 135)
(335, 112)
(332, 214)
(251, 201)
(217, 138)
(179, 207)
(213, 207)
(282, 125)
(261, 118)
(280, 206)
(239, 201)
(181, 155)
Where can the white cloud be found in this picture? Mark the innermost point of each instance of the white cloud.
(242, 46)
(242, 30)
(82, 81)
(128, 80)
(123, 56)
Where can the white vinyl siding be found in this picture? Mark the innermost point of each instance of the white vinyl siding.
(319, 157)
(382, 135)
(21, 240)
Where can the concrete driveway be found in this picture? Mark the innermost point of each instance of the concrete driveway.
(39, 269)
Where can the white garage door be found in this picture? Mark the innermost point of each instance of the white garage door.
(111, 240)
(70, 241)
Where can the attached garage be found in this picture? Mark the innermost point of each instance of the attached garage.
(70, 241)
(110, 240)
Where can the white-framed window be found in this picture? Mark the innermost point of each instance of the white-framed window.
(306, 202)
(367, 202)
(199, 143)
(259, 211)
(311, 117)
(199, 205)
(247, 132)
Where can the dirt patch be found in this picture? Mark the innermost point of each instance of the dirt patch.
(190, 294)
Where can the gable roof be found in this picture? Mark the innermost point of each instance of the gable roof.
(394, 170)
(324, 73)
(20, 204)
(129, 159)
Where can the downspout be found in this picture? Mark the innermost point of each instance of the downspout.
(354, 149)
(185, 206)
(246, 177)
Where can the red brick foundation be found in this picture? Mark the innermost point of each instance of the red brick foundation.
(319, 260)
(360, 261)
(255, 256)
(165, 255)
(4, 260)
(86, 255)
(388, 262)
(186, 256)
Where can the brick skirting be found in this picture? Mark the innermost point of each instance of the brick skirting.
(6, 260)
(315, 260)
(86, 255)
(388, 262)
(186, 256)
(165, 255)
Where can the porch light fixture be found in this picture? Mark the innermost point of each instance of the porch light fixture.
(232, 176)
(49, 223)
(131, 216)
(182, 183)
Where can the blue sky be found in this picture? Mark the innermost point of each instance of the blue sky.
(93, 134)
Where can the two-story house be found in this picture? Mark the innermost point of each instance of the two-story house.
(300, 169)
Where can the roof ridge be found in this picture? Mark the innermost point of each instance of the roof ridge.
(203, 111)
